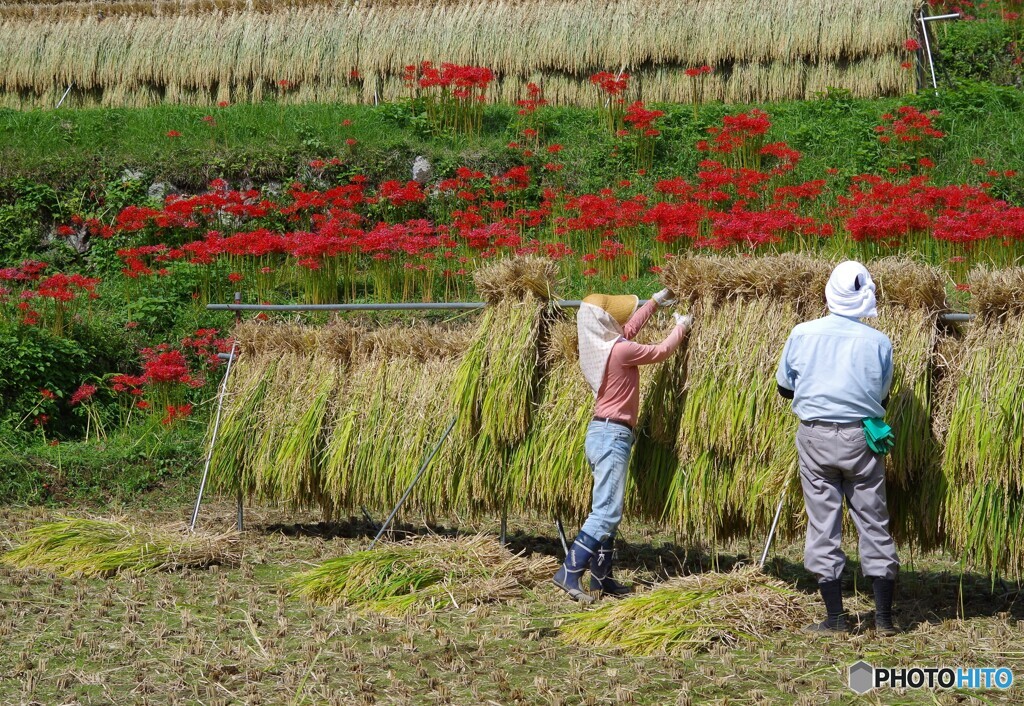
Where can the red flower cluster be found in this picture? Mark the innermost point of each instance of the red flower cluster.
(908, 124)
(609, 83)
(642, 120)
(84, 393)
(736, 132)
(699, 71)
(534, 100)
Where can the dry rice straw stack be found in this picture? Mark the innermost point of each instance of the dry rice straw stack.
(984, 419)
(389, 416)
(198, 52)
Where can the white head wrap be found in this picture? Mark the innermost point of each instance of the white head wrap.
(851, 291)
(597, 332)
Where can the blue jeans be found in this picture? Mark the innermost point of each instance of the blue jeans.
(608, 447)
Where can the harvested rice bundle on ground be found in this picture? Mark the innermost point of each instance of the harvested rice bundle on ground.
(693, 613)
(984, 453)
(97, 547)
(424, 575)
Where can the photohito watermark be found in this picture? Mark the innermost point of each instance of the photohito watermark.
(864, 677)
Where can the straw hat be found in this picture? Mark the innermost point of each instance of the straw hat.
(619, 306)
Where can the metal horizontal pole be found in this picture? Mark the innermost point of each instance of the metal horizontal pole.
(932, 18)
(434, 306)
(401, 306)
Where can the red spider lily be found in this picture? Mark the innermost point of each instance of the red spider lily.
(173, 133)
(176, 413)
(912, 44)
(609, 83)
(736, 132)
(908, 125)
(639, 118)
(84, 393)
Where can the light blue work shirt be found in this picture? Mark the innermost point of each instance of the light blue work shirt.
(839, 370)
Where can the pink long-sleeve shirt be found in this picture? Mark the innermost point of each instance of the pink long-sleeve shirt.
(619, 396)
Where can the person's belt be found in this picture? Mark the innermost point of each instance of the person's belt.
(614, 421)
(832, 425)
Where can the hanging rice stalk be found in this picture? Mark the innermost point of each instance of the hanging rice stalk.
(984, 453)
(496, 382)
(390, 414)
(299, 52)
(424, 575)
(654, 460)
(97, 547)
(911, 296)
(736, 449)
(548, 473)
(231, 464)
(735, 444)
(693, 613)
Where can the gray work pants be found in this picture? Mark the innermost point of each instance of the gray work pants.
(835, 462)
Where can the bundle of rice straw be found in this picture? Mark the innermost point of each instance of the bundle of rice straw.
(548, 474)
(693, 613)
(654, 462)
(496, 382)
(911, 296)
(424, 575)
(337, 416)
(984, 419)
(98, 547)
(735, 440)
(736, 448)
(387, 417)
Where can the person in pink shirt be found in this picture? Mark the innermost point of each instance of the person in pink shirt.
(610, 360)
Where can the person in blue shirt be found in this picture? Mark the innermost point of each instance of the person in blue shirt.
(838, 371)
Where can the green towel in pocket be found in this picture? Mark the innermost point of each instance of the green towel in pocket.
(878, 435)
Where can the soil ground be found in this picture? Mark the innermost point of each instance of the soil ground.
(234, 636)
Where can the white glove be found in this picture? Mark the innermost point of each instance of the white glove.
(684, 320)
(664, 297)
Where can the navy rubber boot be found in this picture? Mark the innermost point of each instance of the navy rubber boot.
(832, 594)
(884, 590)
(601, 572)
(568, 576)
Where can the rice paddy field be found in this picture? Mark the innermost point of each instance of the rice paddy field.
(160, 157)
(234, 633)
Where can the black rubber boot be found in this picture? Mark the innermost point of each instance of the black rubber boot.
(884, 590)
(568, 576)
(601, 572)
(835, 622)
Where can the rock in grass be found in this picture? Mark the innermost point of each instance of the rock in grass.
(98, 547)
(424, 575)
(693, 613)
